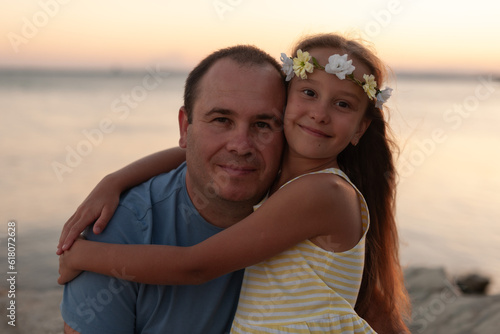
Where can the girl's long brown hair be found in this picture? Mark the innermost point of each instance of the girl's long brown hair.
(370, 167)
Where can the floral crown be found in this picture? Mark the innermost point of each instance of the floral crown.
(338, 65)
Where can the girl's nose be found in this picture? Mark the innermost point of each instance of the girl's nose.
(320, 113)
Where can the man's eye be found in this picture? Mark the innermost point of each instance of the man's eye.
(263, 125)
(221, 120)
(309, 92)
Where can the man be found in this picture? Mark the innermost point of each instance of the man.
(231, 129)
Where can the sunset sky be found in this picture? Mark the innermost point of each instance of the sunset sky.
(419, 35)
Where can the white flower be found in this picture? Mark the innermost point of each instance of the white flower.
(370, 86)
(339, 65)
(383, 96)
(287, 67)
(301, 64)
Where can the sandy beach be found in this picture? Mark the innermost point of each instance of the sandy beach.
(438, 305)
(36, 293)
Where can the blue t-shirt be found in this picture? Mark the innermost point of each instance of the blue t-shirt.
(158, 211)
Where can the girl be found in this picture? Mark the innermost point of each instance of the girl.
(317, 275)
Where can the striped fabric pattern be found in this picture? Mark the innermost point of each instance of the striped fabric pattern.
(305, 289)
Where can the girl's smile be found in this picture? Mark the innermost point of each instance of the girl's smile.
(314, 132)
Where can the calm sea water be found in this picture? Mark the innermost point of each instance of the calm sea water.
(61, 132)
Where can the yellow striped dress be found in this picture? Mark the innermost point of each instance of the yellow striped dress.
(305, 289)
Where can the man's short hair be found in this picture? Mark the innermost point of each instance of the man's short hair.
(241, 54)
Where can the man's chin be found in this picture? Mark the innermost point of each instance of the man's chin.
(247, 196)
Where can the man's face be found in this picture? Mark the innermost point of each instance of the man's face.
(235, 140)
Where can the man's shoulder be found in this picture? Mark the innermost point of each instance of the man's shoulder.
(141, 198)
(133, 219)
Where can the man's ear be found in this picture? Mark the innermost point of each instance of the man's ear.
(363, 125)
(183, 126)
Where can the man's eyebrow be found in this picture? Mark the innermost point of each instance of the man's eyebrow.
(260, 116)
(220, 111)
(266, 117)
(271, 117)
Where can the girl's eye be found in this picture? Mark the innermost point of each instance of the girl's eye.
(343, 104)
(309, 92)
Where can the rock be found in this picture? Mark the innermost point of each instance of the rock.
(439, 306)
(473, 284)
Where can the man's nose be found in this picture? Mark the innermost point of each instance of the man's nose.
(241, 141)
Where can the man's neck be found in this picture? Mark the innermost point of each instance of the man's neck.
(218, 211)
(224, 215)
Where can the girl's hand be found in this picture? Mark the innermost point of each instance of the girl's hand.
(98, 207)
(66, 273)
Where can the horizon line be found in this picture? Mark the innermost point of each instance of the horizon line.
(117, 71)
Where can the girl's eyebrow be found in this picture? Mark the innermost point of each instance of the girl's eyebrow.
(351, 94)
(344, 92)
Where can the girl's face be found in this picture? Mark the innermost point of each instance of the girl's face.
(324, 114)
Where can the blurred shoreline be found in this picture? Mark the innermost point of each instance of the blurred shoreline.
(93, 71)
